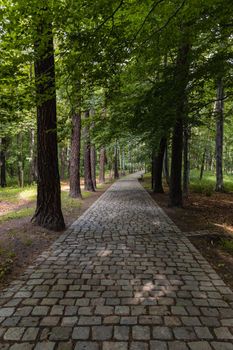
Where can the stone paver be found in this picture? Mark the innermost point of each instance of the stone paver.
(122, 277)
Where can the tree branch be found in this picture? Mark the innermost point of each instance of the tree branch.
(146, 18)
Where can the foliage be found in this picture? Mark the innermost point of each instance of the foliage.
(119, 60)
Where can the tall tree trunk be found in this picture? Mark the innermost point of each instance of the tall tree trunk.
(88, 183)
(93, 165)
(158, 167)
(186, 161)
(102, 165)
(152, 169)
(48, 210)
(20, 160)
(219, 110)
(176, 165)
(181, 80)
(63, 161)
(202, 164)
(123, 161)
(166, 166)
(75, 189)
(116, 173)
(3, 162)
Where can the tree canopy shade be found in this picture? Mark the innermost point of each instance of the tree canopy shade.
(151, 76)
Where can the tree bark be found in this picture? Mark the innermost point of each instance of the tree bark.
(93, 165)
(3, 162)
(20, 160)
(186, 162)
(165, 165)
(63, 161)
(219, 110)
(181, 80)
(48, 210)
(75, 189)
(102, 165)
(88, 183)
(158, 167)
(202, 164)
(123, 161)
(152, 169)
(116, 173)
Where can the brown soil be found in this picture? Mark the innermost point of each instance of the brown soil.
(21, 242)
(199, 213)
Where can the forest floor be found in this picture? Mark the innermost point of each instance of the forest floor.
(208, 218)
(21, 241)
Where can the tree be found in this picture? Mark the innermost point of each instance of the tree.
(48, 209)
(3, 147)
(181, 81)
(116, 172)
(93, 165)
(75, 189)
(102, 160)
(88, 180)
(158, 167)
(186, 167)
(218, 111)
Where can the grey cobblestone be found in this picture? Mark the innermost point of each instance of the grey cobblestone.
(122, 277)
(81, 333)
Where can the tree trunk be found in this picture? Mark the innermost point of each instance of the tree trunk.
(75, 189)
(63, 161)
(123, 161)
(88, 183)
(165, 166)
(93, 165)
(219, 109)
(181, 80)
(202, 164)
(20, 160)
(186, 162)
(3, 162)
(102, 165)
(176, 165)
(116, 173)
(48, 211)
(158, 167)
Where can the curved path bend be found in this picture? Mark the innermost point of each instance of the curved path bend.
(123, 277)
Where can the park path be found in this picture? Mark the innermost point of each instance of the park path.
(123, 277)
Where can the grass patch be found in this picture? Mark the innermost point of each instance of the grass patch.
(14, 194)
(68, 202)
(86, 194)
(207, 184)
(227, 244)
(28, 194)
(17, 214)
(6, 261)
(27, 241)
(146, 181)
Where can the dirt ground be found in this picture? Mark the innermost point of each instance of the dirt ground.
(21, 241)
(212, 213)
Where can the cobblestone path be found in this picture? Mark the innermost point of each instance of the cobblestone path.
(123, 277)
